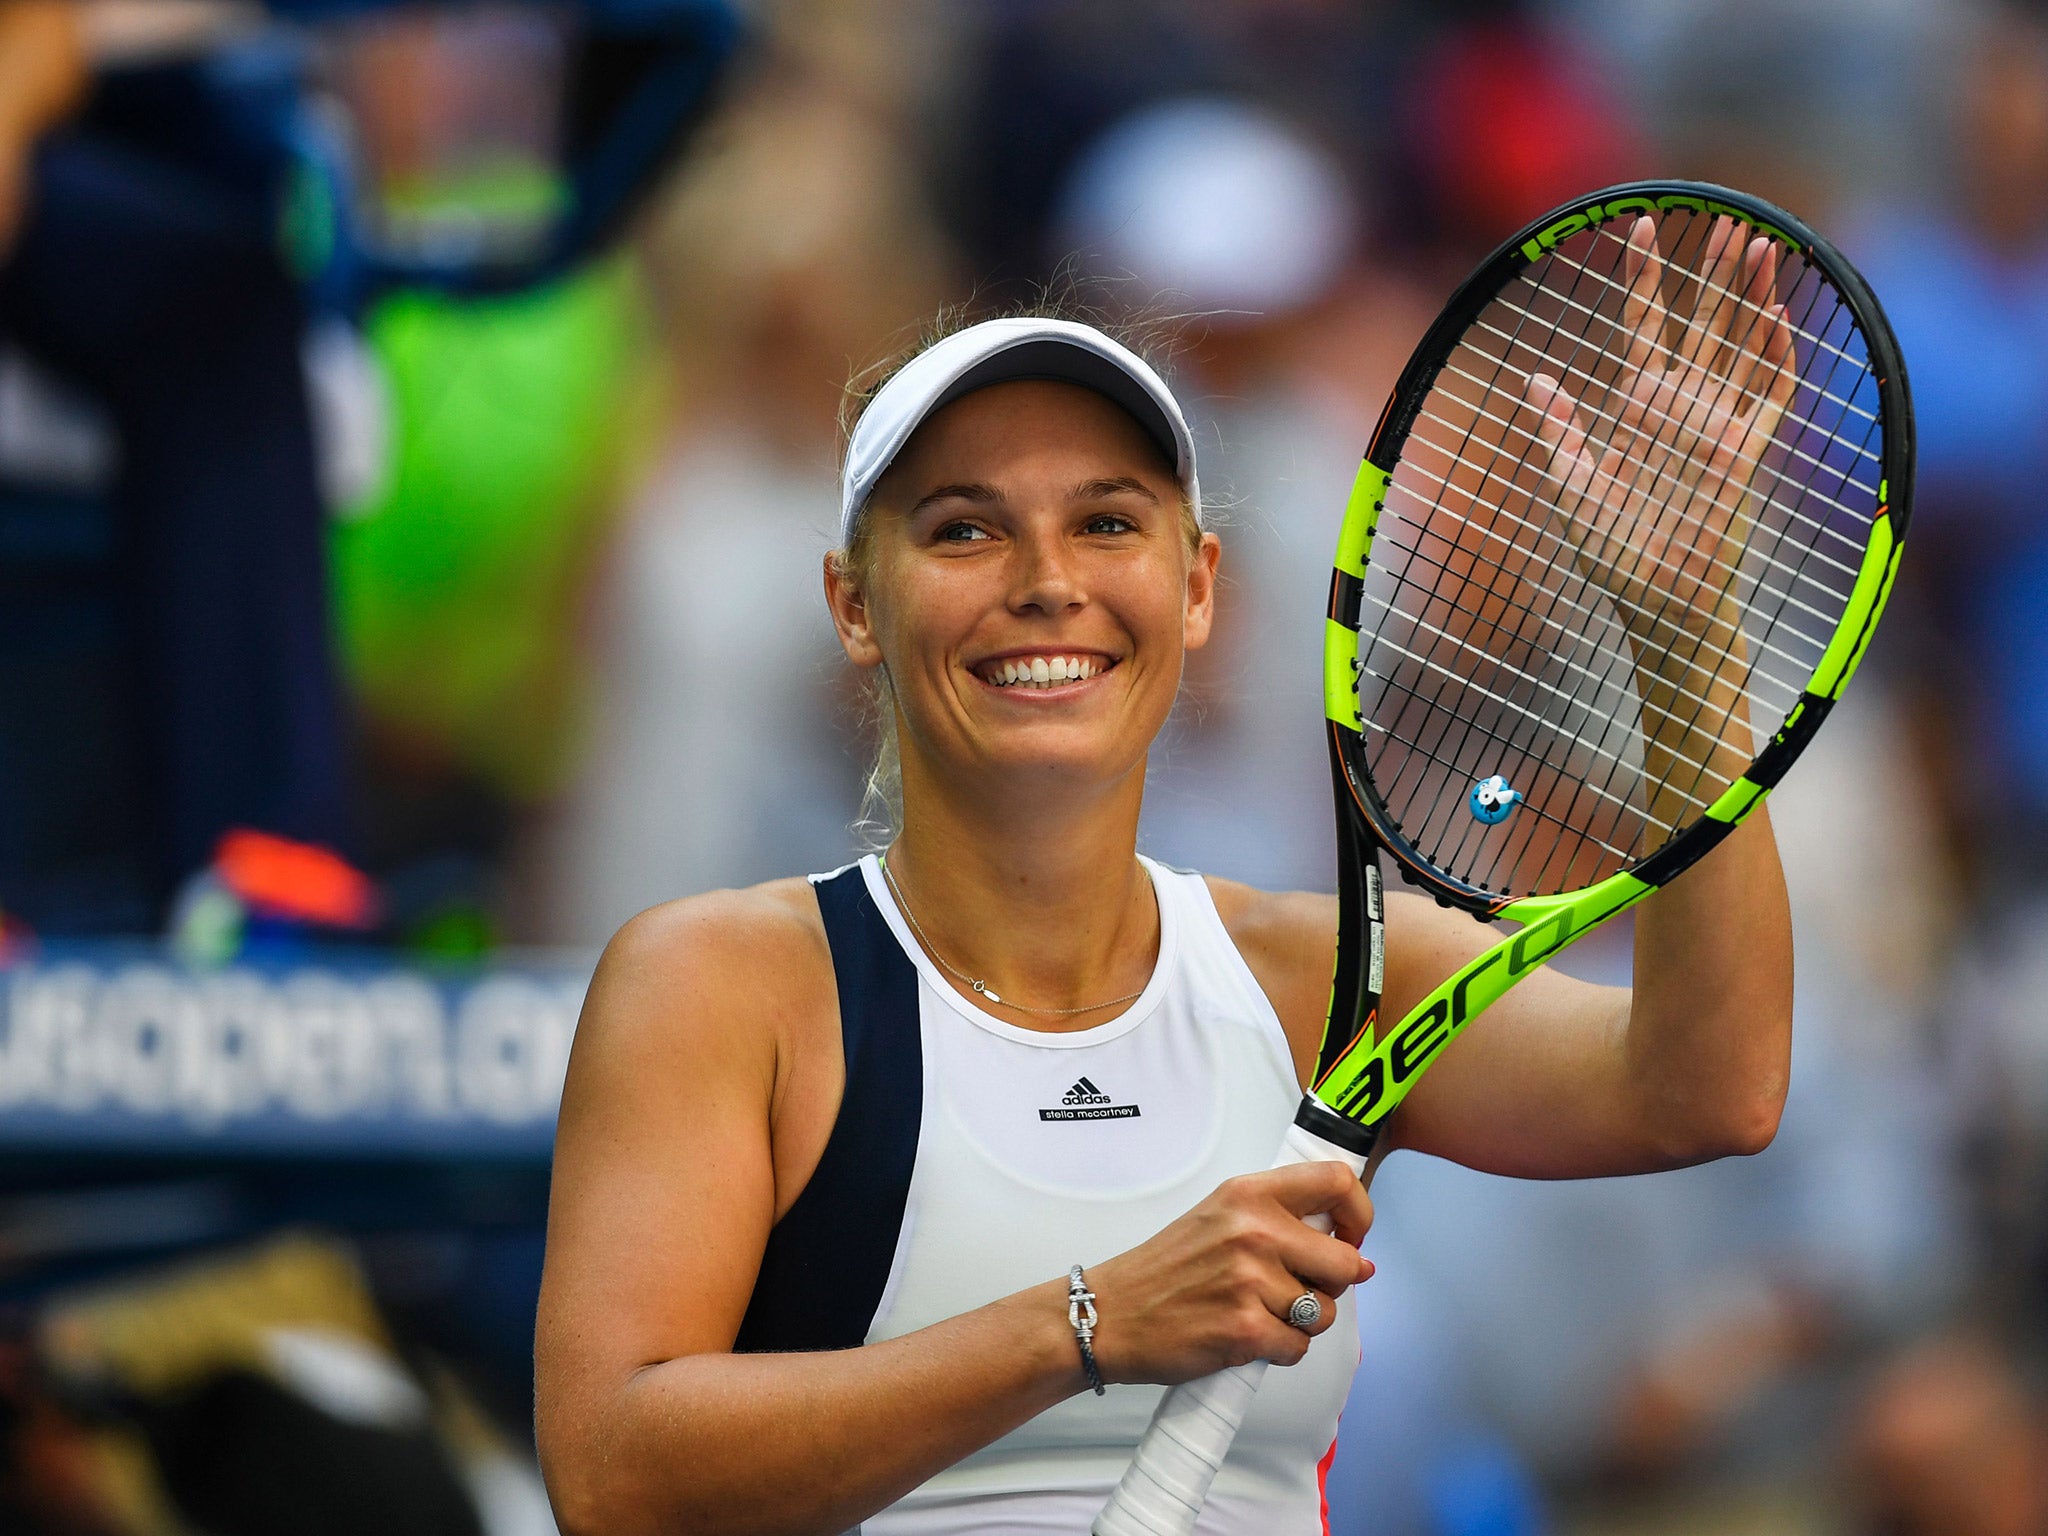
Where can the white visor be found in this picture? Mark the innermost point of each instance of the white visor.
(996, 352)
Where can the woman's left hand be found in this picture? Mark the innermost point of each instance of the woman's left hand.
(1655, 489)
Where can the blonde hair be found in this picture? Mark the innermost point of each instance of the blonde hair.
(881, 810)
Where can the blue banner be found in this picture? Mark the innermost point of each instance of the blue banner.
(116, 1048)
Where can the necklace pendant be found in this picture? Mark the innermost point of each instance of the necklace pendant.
(982, 988)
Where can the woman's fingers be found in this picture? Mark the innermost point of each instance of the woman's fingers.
(1284, 1299)
(1697, 331)
(1328, 1263)
(1292, 1343)
(1324, 1189)
(1752, 331)
(1217, 1286)
(1642, 309)
(1780, 368)
(1555, 418)
(1773, 379)
(1328, 1260)
(1720, 297)
(1737, 349)
(1561, 433)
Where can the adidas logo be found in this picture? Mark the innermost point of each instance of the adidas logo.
(1085, 1101)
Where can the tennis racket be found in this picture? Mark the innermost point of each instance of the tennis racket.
(1620, 540)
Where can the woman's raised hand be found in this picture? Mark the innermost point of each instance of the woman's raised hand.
(1654, 488)
(1213, 1289)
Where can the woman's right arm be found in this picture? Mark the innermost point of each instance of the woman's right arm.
(664, 1193)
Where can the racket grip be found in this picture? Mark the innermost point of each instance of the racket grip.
(1167, 1482)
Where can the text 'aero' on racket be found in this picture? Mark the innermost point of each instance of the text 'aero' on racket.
(1621, 538)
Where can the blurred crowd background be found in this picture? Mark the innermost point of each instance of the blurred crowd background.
(418, 435)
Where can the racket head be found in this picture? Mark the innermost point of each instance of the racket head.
(1466, 641)
(1833, 488)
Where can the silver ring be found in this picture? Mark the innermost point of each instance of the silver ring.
(1306, 1312)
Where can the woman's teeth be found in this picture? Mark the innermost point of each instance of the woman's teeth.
(1041, 671)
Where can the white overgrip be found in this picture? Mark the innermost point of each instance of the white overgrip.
(1168, 1480)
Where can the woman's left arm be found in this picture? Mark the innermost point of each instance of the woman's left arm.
(1564, 1079)
(1561, 1078)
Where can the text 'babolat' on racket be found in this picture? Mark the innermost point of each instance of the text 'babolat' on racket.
(1621, 538)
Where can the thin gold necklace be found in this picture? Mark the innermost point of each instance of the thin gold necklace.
(979, 986)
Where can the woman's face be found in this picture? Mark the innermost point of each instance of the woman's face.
(1031, 590)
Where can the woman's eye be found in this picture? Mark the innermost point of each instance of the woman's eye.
(1109, 522)
(961, 533)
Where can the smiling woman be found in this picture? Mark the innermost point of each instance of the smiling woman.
(854, 563)
(889, 1199)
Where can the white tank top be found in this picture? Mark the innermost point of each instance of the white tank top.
(1039, 1151)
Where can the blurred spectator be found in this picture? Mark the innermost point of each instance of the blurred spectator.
(1965, 282)
(1502, 119)
(137, 230)
(46, 74)
(202, 233)
(518, 422)
(1047, 80)
(797, 248)
(1948, 1441)
(1814, 104)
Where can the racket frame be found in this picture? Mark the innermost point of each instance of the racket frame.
(1359, 1080)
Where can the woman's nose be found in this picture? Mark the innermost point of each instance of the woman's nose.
(1045, 577)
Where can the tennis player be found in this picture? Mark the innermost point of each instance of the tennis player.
(868, 1185)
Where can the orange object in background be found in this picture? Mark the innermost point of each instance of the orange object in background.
(277, 877)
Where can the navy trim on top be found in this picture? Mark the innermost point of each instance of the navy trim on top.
(828, 1259)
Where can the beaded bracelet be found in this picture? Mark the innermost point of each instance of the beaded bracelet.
(1081, 1314)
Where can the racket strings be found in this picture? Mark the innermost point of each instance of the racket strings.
(1860, 450)
(1816, 342)
(1567, 723)
(1446, 721)
(1773, 622)
(1685, 762)
(1469, 686)
(1795, 575)
(1464, 444)
(1664, 504)
(1556, 631)
(1567, 698)
(1799, 571)
(1760, 466)
(1529, 442)
(1701, 789)
(1465, 729)
(1569, 371)
(1577, 817)
(1576, 825)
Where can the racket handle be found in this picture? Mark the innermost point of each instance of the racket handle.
(1168, 1480)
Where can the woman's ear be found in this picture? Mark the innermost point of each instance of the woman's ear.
(849, 606)
(1201, 601)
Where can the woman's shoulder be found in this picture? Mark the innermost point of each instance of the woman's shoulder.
(716, 928)
(1276, 928)
(1289, 938)
(1286, 938)
(730, 970)
(1301, 926)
